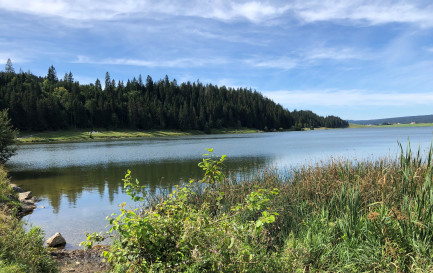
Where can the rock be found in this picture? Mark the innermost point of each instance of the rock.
(22, 196)
(56, 241)
(27, 205)
(27, 208)
(15, 188)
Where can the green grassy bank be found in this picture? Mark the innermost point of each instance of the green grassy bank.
(96, 134)
(343, 216)
(20, 251)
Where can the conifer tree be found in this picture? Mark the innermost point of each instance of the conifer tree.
(7, 137)
(9, 67)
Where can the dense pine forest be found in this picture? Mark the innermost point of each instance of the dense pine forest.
(49, 103)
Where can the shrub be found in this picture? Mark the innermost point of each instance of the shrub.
(22, 251)
(176, 235)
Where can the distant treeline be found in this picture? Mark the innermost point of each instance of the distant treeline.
(48, 103)
(402, 120)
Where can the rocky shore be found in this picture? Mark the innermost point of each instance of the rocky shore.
(81, 261)
(78, 261)
(27, 200)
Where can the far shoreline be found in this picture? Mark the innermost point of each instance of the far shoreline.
(85, 135)
(352, 125)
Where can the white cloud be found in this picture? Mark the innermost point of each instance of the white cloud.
(336, 54)
(14, 56)
(308, 58)
(308, 98)
(175, 63)
(284, 63)
(76, 9)
(8, 50)
(231, 37)
(255, 11)
(365, 11)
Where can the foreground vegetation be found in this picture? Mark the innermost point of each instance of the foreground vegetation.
(85, 135)
(372, 216)
(20, 251)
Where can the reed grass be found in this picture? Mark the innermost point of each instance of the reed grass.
(336, 216)
(343, 216)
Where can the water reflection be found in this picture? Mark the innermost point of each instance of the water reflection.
(56, 185)
(79, 184)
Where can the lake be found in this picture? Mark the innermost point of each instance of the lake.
(79, 184)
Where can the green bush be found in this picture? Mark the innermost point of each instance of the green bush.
(178, 236)
(20, 250)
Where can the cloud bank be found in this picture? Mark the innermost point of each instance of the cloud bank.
(368, 12)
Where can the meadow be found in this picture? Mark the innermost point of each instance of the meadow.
(26, 137)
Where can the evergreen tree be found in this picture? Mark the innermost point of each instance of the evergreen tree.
(7, 137)
(9, 68)
(52, 75)
(38, 103)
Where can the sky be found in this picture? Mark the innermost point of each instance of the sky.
(351, 58)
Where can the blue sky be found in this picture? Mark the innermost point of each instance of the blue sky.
(354, 59)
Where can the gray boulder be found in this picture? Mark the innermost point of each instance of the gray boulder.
(27, 207)
(23, 196)
(56, 241)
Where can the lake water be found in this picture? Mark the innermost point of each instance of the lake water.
(79, 184)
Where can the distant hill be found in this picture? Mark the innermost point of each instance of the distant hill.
(402, 120)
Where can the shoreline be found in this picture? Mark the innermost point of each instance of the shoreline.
(353, 125)
(380, 181)
(82, 135)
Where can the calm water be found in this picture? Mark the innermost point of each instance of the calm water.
(79, 184)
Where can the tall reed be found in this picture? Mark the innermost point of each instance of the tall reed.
(336, 216)
(348, 215)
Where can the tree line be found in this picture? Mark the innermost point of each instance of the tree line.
(49, 103)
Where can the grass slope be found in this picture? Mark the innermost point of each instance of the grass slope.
(84, 135)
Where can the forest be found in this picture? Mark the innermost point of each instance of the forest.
(50, 103)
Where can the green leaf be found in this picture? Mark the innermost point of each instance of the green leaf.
(232, 241)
